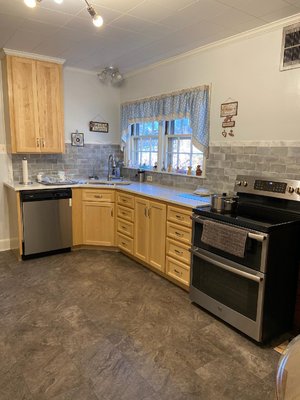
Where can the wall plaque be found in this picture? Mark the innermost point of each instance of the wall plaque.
(98, 127)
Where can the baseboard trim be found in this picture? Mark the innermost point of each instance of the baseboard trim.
(4, 244)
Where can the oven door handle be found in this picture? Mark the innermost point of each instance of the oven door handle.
(228, 268)
(256, 236)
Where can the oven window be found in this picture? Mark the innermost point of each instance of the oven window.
(234, 291)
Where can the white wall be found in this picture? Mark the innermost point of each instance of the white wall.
(87, 99)
(246, 70)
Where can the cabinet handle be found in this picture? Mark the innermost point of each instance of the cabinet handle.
(178, 234)
(43, 142)
(180, 217)
(145, 211)
(123, 213)
(178, 252)
(124, 201)
(149, 209)
(98, 196)
(37, 142)
(124, 227)
(123, 243)
(112, 212)
(177, 272)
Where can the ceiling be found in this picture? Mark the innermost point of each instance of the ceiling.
(135, 33)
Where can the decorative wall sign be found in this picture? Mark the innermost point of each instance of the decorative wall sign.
(229, 109)
(77, 139)
(98, 126)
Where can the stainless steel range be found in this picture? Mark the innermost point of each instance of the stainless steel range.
(245, 265)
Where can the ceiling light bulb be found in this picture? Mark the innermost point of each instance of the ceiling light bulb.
(97, 20)
(30, 3)
(58, 1)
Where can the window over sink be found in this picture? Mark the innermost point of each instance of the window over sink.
(166, 145)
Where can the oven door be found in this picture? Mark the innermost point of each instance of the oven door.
(231, 291)
(256, 248)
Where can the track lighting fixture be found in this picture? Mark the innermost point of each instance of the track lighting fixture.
(97, 19)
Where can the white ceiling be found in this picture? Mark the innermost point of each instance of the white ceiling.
(135, 33)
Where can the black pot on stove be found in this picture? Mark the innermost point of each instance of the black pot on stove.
(223, 203)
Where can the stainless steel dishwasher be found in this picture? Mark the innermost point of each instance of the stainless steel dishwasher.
(47, 221)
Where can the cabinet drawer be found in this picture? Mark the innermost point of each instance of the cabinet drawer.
(180, 233)
(98, 195)
(125, 243)
(125, 213)
(180, 216)
(125, 200)
(178, 271)
(125, 227)
(179, 251)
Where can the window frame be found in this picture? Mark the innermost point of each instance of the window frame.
(162, 155)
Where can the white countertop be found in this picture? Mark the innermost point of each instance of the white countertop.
(159, 192)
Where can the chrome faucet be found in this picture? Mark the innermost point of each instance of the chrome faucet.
(110, 167)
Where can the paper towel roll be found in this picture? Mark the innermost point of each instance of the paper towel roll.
(24, 172)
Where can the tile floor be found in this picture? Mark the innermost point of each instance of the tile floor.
(94, 325)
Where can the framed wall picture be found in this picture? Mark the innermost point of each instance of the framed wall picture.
(229, 109)
(99, 127)
(77, 139)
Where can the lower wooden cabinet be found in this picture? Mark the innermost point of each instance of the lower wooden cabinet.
(150, 232)
(93, 214)
(98, 223)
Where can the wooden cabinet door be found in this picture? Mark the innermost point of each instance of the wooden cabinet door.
(141, 229)
(50, 106)
(98, 223)
(157, 235)
(23, 105)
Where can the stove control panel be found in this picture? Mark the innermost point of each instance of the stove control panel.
(283, 188)
(270, 186)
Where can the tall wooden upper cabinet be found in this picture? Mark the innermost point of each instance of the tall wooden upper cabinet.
(33, 98)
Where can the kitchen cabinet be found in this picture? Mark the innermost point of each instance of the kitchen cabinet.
(125, 222)
(178, 243)
(33, 105)
(97, 226)
(150, 232)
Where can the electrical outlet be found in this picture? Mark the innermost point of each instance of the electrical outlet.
(149, 178)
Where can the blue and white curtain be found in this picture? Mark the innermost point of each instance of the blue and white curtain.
(191, 103)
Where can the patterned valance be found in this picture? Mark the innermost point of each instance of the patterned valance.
(190, 103)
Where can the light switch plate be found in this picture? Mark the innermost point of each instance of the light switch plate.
(149, 178)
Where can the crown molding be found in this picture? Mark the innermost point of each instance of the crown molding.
(10, 52)
(269, 27)
(84, 71)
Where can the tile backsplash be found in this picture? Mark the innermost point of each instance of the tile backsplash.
(226, 162)
(222, 166)
(77, 162)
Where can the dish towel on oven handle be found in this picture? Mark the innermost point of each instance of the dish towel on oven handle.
(224, 237)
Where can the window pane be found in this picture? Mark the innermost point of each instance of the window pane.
(184, 161)
(155, 127)
(185, 146)
(182, 127)
(145, 159)
(153, 159)
(172, 144)
(154, 144)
